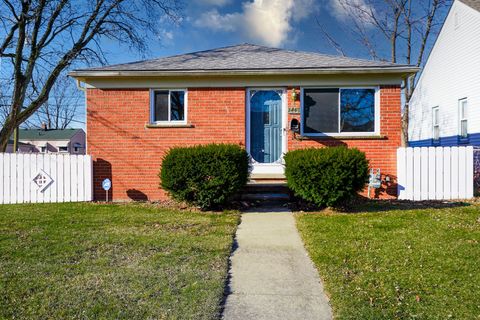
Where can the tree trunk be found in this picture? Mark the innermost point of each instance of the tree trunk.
(15, 140)
(5, 134)
(409, 87)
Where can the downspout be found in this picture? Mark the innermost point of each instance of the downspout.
(404, 116)
(84, 89)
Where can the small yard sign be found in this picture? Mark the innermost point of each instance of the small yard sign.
(375, 180)
(106, 185)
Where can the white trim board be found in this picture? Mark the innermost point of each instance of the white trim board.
(243, 81)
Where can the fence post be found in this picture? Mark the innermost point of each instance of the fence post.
(401, 173)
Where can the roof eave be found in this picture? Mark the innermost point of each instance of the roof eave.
(152, 73)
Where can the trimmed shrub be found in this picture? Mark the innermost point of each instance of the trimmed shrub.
(205, 175)
(326, 176)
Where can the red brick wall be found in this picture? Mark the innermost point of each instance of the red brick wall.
(130, 154)
(381, 153)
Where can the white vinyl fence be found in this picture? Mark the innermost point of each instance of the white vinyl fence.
(38, 177)
(435, 173)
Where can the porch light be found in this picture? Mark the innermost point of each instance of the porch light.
(294, 95)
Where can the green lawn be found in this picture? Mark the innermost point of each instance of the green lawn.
(91, 261)
(398, 263)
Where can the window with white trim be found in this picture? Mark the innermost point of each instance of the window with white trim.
(463, 118)
(169, 106)
(436, 123)
(63, 149)
(339, 111)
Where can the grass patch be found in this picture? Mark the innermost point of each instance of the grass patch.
(398, 264)
(93, 261)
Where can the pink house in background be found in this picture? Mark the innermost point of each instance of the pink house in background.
(69, 141)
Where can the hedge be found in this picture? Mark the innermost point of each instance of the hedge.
(326, 176)
(206, 175)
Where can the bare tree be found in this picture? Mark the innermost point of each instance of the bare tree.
(398, 31)
(3, 105)
(61, 109)
(44, 37)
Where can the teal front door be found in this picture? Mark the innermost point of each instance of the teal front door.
(266, 125)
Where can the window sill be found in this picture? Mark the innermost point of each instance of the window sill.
(169, 125)
(340, 137)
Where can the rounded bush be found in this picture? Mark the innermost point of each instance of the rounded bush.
(326, 176)
(205, 175)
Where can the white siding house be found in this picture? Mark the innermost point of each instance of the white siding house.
(445, 106)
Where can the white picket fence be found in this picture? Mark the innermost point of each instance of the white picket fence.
(38, 177)
(435, 173)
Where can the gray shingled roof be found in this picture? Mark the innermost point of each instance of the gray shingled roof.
(245, 57)
(51, 134)
(475, 4)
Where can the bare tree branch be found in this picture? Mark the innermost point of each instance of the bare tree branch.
(61, 109)
(45, 37)
(330, 39)
(405, 28)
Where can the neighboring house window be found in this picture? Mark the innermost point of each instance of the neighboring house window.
(76, 147)
(436, 123)
(339, 111)
(63, 149)
(169, 106)
(43, 149)
(463, 117)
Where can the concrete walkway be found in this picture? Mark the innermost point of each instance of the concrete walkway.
(271, 276)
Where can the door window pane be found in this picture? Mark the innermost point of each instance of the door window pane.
(320, 110)
(357, 110)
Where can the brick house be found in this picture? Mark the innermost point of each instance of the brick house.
(266, 99)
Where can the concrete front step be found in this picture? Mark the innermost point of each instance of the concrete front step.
(261, 190)
(266, 188)
(267, 176)
(265, 196)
